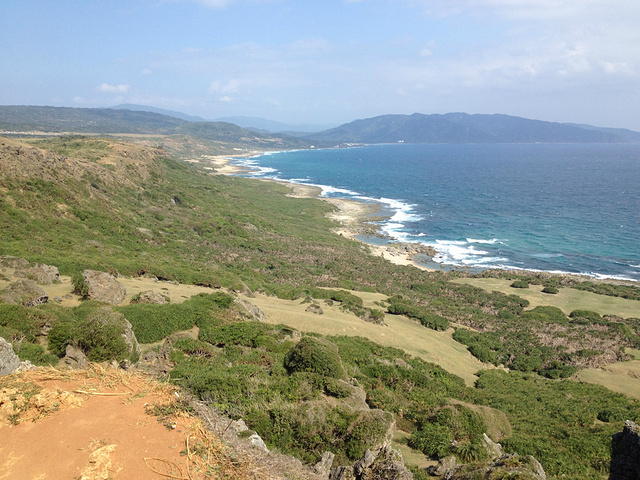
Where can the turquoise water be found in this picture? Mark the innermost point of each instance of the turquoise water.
(551, 207)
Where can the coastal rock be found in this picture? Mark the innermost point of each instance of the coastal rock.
(494, 450)
(257, 442)
(9, 361)
(248, 310)
(102, 287)
(150, 296)
(625, 453)
(39, 273)
(157, 361)
(314, 308)
(24, 292)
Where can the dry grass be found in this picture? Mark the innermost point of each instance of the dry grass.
(400, 332)
(567, 300)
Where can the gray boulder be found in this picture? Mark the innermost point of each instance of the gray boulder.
(39, 273)
(248, 310)
(24, 292)
(323, 467)
(13, 262)
(75, 358)
(150, 296)
(102, 287)
(384, 463)
(9, 361)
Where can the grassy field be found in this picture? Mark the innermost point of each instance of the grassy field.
(399, 332)
(567, 300)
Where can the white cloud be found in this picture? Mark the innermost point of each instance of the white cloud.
(226, 99)
(106, 88)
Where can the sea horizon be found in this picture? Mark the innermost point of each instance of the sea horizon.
(557, 208)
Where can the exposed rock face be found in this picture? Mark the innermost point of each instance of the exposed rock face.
(249, 310)
(40, 273)
(384, 463)
(24, 292)
(625, 453)
(151, 296)
(157, 362)
(9, 361)
(103, 287)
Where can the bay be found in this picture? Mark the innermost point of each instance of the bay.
(566, 208)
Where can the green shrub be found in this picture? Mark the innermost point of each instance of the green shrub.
(551, 290)
(520, 284)
(587, 315)
(315, 355)
(80, 287)
(35, 354)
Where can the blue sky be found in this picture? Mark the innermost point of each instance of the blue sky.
(328, 61)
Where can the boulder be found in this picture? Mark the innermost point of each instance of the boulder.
(314, 308)
(9, 361)
(625, 453)
(257, 442)
(150, 296)
(40, 273)
(384, 463)
(494, 450)
(13, 262)
(248, 310)
(523, 467)
(102, 287)
(24, 292)
(75, 358)
(323, 467)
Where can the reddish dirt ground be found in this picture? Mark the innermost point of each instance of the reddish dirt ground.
(94, 425)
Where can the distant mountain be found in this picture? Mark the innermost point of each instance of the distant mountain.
(273, 126)
(85, 120)
(161, 111)
(465, 128)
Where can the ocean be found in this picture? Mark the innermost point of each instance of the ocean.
(565, 208)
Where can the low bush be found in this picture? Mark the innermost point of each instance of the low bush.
(551, 290)
(520, 284)
(315, 355)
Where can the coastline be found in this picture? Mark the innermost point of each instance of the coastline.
(356, 217)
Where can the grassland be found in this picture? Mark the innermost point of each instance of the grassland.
(567, 299)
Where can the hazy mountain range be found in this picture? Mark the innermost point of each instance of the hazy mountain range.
(416, 128)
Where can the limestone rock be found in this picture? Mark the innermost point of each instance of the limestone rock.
(257, 442)
(157, 362)
(150, 296)
(248, 310)
(323, 467)
(494, 450)
(103, 287)
(75, 358)
(13, 262)
(24, 292)
(314, 308)
(40, 273)
(9, 361)
(625, 453)
(523, 467)
(444, 465)
(384, 463)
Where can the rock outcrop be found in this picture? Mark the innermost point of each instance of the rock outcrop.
(248, 310)
(625, 453)
(523, 467)
(24, 292)
(384, 463)
(150, 296)
(9, 361)
(75, 358)
(102, 287)
(314, 308)
(13, 262)
(40, 273)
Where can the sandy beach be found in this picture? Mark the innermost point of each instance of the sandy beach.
(355, 217)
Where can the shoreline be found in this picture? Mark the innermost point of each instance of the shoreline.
(357, 219)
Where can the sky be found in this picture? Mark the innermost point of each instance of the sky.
(328, 61)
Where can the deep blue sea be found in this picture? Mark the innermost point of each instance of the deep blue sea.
(551, 207)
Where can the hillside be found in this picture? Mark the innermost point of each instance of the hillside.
(105, 204)
(465, 128)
